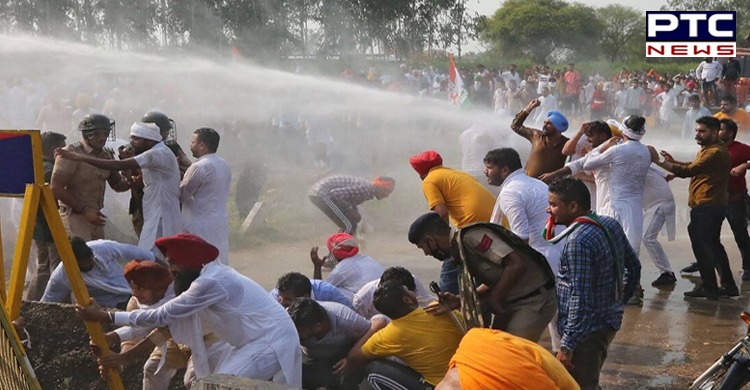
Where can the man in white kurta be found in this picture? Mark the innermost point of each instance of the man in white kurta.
(161, 179)
(161, 191)
(658, 211)
(204, 192)
(102, 273)
(475, 142)
(353, 269)
(629, 162)
(263, 341)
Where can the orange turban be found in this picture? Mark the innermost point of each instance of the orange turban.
(493, 359)
(384, 182)
(423, 162)
(187, 250)
(148, 274)
(342, 245)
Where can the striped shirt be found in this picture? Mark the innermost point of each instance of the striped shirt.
(347, 191)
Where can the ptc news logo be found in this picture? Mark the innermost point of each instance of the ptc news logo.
(691, 33)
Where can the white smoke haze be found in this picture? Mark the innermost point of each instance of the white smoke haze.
(374, 131)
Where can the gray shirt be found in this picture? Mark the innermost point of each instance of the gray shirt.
(346, 328)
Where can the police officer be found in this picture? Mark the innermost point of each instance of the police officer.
(516, 286)
(166, 128)
(80, 187)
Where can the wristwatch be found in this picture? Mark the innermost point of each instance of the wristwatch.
(565, 350)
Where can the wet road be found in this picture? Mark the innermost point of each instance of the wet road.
(665, 344)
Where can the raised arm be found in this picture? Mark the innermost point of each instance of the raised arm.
(517, 124)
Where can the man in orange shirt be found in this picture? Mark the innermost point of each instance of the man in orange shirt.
(729, 110)
(457, 197)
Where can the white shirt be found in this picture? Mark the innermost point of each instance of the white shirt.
(363, 298)
(548, 103)
(543, 81)
(204, 193)
(239, 312)
(601, 177)
(352, 273)
(161, 194)
(708, 71)
(523, 200)
(633, 98)
(629, 162)
(657, 194)
(475, 142)
(105, 282)
(512, 76)
(688, 124)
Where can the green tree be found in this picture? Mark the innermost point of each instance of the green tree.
(621, 26)
(540, 28)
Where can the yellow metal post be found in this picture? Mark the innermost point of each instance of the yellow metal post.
(22, 250)
(80, 292)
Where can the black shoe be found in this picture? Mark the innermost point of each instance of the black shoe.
(746, 275)
(701, 292)
(729, 291)
(665, 279)
(693, 267)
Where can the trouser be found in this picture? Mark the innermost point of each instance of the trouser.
(46, 262)
(529, 318)
(449, 276)
(654, 221)
(387, 375)
(335, 213)
(704, 230)
(737, 218)
(589, 356)
(154, 381)
(317, 373)
(77, 225)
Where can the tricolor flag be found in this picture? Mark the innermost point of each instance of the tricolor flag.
(458, 94)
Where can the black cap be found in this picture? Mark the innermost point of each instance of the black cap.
(423, 224)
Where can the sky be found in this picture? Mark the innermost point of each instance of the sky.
(488, 7)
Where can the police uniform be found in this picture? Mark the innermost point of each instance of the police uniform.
(531, 301)
(87, 184)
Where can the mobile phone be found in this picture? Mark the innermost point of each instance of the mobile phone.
(434, 287)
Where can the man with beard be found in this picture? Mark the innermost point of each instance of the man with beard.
(598, 274)
(546, 144)
(516, 283)
(166, 127)
(80, 187)
(204, 192)
(729, 110)
(708, 197)
(262, 340)
(161, 178)
(99, 262)
(522, 200)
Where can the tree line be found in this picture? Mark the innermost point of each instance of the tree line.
(556, 30)
(255, 27)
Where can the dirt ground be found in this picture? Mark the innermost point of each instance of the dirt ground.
(60, 355)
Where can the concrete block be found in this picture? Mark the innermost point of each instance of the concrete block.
(228, 382)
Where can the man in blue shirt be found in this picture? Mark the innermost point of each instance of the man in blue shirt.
(598, 274)
(294, 285)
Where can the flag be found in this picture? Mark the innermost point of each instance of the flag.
(458, 94)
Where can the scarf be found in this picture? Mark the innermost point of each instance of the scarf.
(591, 218)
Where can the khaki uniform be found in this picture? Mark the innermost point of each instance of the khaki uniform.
(531, 301)
(87, 183)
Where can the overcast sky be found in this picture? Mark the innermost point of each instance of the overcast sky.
(488, 7)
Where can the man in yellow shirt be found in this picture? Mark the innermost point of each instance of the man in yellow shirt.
(489, 359)
(455, 196)
(729, 110)
(423, 341)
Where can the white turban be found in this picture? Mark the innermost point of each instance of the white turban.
(145, 130)
(634, 134)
